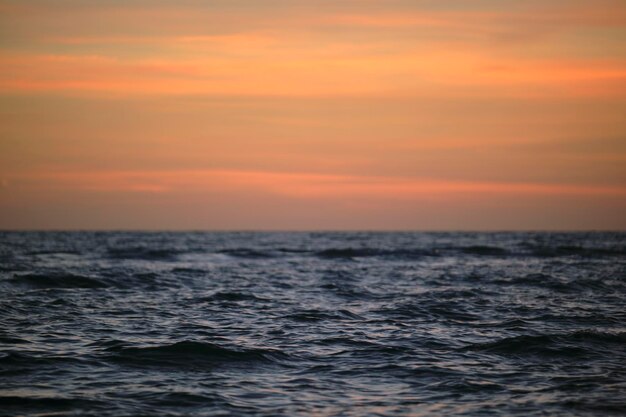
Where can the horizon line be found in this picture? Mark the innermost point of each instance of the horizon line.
(123, 230)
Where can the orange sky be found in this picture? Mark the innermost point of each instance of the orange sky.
(348, 114)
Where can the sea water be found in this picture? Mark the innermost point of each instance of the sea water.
(312, 324)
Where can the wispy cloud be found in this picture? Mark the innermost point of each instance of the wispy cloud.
(295, 185)
(438, 73)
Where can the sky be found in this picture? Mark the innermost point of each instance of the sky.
(313, 114)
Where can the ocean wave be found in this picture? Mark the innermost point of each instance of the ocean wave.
(190, 354)
(350, 292)
(376, 350)
(587, 319)
(11, 340)
(190, 271)
(50, 281)
(467, 386)
(181, 399)
(483, 250)
(55, 252)
(143, 253)
(320, 315)
(430, 307)
(410, 253)
(246, 253)
(350, 253)
(48, 403)
(18, 362)
(568, 345)
(230, 296)
(548, 251)
(556, 283)
(143, 280)
(474, 250)
(346, 341)
(612, 406)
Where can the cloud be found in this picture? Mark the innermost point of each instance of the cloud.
(314, 49)
(295, 185)
(437, 73)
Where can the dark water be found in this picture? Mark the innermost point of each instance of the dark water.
(312, 324)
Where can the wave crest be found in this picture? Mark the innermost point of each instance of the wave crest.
(142, 253)
(190, 353)
(45, 281)
(568, 345)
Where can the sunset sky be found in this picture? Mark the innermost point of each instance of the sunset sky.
(313, 114)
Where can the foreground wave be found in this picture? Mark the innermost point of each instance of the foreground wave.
(190, 354)
(582, 343)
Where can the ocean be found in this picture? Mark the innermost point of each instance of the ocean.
(312, 324)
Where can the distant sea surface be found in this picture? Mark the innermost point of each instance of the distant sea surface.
(312, 324)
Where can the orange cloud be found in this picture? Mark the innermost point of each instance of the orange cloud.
(322, 51)
(296, 185)
(489, 22)
(439, 73)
